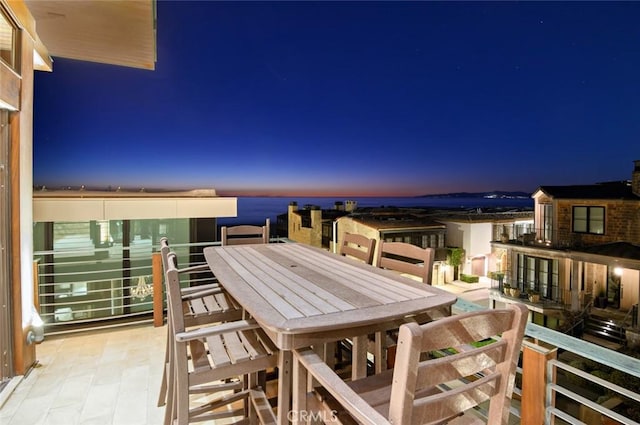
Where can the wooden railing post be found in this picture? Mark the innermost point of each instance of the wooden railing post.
(534, 372)
(158, 294)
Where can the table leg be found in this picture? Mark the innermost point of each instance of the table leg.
(284, 386)
(359, 357)
(300, 389)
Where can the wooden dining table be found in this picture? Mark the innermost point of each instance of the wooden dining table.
(304, 296)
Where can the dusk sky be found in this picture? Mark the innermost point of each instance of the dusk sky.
(353, 99)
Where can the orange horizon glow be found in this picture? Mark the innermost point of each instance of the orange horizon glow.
(324, 193)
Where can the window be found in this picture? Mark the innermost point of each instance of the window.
(540, 274)
(421, 239)
(547, 222)
(588, 220)
(7, 40)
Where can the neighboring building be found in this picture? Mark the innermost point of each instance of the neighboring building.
(93, 248)
(311, 225)
(586, 243)
(28, 39)
(474, 232)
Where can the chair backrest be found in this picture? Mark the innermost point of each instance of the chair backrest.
(407, 258)
(164, 253)
(358, 246)
(244, 234)
(422, 391)
(174, 297)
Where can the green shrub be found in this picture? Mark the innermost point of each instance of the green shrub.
(469, 278)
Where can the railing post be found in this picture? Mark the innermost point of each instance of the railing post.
(158, 304)
(534, 372)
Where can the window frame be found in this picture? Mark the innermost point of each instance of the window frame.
(589, 220)
(12, 61)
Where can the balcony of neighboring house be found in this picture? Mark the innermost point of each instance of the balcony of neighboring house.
(546, 302)
(527, 235)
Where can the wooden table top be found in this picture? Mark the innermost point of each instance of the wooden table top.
(301, 295)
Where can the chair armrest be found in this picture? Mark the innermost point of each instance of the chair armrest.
(190, 289)
(199, 294)
(223, 328)
(195, 269)
(349, 399)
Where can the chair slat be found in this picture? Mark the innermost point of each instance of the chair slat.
(445, 369)
(198, 306)
(217, 351)
(358, 246)
(198, 355)
(235, 348)
(252, 345)
(407, 258)
(222, 301)
(452, 402)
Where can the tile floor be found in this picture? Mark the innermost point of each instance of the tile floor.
(101, 377)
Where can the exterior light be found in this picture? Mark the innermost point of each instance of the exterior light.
(36, 333)
(617, 271)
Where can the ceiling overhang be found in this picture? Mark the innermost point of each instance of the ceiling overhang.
(113, 32)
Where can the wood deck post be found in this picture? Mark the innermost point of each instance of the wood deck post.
(534, 372)
(158, 293)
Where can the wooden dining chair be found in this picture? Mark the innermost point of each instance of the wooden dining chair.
(407, 258)
(410, 260)
(201, 305)
(245, 234)
(211, 361)
(358, 246)
(361, 248)
(444, 370)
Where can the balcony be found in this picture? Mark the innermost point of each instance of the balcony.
(112, 376)
(538, 237)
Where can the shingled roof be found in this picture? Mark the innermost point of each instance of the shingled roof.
(612, 190)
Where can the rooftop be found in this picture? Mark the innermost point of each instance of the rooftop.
(607, 190)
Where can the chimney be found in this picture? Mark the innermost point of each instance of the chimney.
(635, 178)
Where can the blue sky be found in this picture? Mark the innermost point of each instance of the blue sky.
(353, 99)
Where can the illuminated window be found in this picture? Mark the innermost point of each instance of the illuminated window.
(588, 220)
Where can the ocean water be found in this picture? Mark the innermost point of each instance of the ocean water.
(254, 210)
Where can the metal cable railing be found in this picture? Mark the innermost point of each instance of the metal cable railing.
(88, 289)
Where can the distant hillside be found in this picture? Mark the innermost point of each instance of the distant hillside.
(496, 194)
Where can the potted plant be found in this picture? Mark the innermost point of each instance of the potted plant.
(506, 289)
(514, 292)
(534, 295)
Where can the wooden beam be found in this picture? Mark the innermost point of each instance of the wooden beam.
(9, 87)
(534, 372)
(158, 294)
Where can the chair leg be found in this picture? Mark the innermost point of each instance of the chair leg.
(181, 390)
(170, 407)
(162, 396)
(380, 352)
